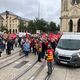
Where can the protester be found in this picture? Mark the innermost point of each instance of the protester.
(9, 45)
(16, 42)
(19, 42)
(49, 57)
(40, 52)
(32, 46)
(53, 44)
(26, 47)
(44, 48)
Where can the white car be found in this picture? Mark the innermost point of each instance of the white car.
(68, 49)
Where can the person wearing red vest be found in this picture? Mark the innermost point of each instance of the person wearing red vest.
(50, 59)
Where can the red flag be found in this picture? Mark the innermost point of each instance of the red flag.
(44, 35)
(12, 36)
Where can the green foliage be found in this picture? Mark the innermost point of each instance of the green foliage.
(58, 28)
(37, 25)
(42, 25)
(52, 27)
(22, 27)
(31, 27)
(2, 29)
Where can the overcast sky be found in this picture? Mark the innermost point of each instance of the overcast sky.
(49, 9)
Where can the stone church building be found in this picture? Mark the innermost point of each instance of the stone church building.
(70, 16)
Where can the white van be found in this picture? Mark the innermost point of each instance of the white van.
(68, 49)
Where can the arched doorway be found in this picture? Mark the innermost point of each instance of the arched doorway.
(70, 26)
(78, 26)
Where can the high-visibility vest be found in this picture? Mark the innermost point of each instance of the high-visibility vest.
(50, 55)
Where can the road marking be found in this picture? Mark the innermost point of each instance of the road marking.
(17, 62)
(32, 78)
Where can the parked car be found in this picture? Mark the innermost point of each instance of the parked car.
(68, 49)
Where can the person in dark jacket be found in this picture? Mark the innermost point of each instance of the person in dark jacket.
(19, 41)
(12, 44)
(53, 44)
(8, 50)
(44, 48)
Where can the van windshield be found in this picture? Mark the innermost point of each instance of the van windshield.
(69, 44)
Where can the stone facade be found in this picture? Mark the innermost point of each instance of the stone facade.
(1, 21)
(11, 21)
(70, 16)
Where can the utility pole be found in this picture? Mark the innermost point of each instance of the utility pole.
(38, 10)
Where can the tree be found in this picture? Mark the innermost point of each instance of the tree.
(58, 28)
(52, 27)
(42, 25)
(21, 26)
(2, 28)
(31, 27)
(37, 24)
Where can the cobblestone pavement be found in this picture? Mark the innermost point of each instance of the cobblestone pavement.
(11, 71)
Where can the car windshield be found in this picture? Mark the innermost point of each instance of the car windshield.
(69, 44)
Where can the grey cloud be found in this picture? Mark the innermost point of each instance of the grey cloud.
(49, 9)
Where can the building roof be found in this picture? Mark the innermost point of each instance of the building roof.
(8, 12)
(17, 17)
(20, 18)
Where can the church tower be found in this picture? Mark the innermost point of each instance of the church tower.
(70, 16)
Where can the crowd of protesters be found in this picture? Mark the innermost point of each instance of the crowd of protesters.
(41, 45)
(36, 45)
(44, 48)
